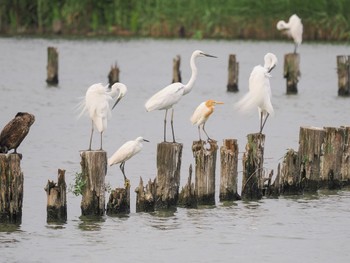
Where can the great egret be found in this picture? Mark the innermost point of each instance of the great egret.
(202, 113)
(125, 152)
(259, 94)
(294, 29)
(171, 94)
(15, 131)
(96, 103)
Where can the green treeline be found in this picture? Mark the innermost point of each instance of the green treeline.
(244, 19)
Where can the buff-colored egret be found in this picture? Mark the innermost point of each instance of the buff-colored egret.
(202, 113)
(166, 98)
(125, 152)
(96, 104)
(294, 29)
(259, 94)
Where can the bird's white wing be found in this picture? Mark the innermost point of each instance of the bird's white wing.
(124, 153)
(165, 98)
(199, 114)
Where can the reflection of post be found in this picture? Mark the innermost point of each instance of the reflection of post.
(292, 72)
(232, 84)
(343, 69)
(52, 66)
(176, 69)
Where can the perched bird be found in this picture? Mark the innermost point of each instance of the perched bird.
(15, 131)
(96, 104)
(259, 94)
(202, 113)
(166, 98)
(294, 29)
(125, 152)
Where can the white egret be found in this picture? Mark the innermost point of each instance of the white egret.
(259, 94)
(125, 152)
(170, 95)
(294, 29)
(96, 103)
(202, 113)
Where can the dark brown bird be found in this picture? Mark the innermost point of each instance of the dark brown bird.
(15, 131)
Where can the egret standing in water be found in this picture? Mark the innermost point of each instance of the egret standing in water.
(294, 29)
(259, 94)
(170, 95)
(96, 103)
(125, 152)
(202, 113)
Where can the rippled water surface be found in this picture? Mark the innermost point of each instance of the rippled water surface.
(311, 228)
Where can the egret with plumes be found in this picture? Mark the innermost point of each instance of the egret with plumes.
(202, 113)
(96, 104)
(294, 29)
(259, 94)
(166, 98)
(125, 152)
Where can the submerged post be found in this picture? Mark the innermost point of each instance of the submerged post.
(233, 68)
(119, 201)
(93, 168)
(113, 75)
(11, 189)
(145, 197)
(52, 66)
(292, 72)
(343, 69)
(176, 69)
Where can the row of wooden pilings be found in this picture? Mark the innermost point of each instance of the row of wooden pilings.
(322, 161)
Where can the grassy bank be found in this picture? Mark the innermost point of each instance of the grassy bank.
(232, 19)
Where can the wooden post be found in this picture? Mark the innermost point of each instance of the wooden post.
(253, 161)
(233, 68)
(343, 69)
(52, 66)
(94, 168)
(176, 69)
(145, 198)
(290, 173)
(57, 199)
(168, 174)
(113, 75)
(187, 196)
(292, 72)
(205, 164)
(119, 201)
(275, 188)
(345, 167)
(11, 189)
(229, 173)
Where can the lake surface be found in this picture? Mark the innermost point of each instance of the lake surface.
(310, 228)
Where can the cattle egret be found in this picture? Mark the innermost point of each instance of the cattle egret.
(294, 29)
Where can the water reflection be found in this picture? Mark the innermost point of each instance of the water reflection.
(91, 223)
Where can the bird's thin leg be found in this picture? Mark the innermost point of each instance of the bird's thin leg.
(199, 132)
(267, 115)
(172, 125)
(206, 133)
(122, 169)
(101, 142)
(166, 112)
(92, 131)
(295, 48)
(261, 120)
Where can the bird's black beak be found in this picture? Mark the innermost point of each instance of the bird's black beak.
(115, 104)
(145, 140)
(211, 56)
(271, 68)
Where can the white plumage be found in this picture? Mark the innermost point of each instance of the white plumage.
(294, 29)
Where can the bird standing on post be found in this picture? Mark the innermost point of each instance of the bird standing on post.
(15, 131)
(259, 94)
(202, 113)
(166, 98)
(96, 103)
(294, 29)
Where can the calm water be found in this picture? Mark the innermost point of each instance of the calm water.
(311, 228)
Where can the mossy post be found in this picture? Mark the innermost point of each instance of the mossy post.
(229, 173)
(253, 161)
(343, 69)
(94, 169)
(57, 199)
(11, 189)
(52, 66)
(292, 72)
(113, 75)
(233, 69)
(145, 196)
(119, 201)
(176, 69)
(205, 165)
(168, 174)
(187, 198)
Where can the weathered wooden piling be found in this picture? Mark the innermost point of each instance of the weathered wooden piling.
(145, 197)
(205, 165)
(187, 198)
(343, 69)
(233, 69)
(93, 168)
(345, 168)
(168, 174)
(176, 69)
(113, 75)
(290, 174)
(253, 161)
(292, 72)
(57, 199)
(229, 173)
(52, 66)
(11, 189)
(119, 201)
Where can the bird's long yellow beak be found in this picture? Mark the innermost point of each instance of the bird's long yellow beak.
(218, 102)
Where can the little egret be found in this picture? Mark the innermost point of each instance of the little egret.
(15, 131)
(294, 29)
(166, 98)
(125, 152)
(202, 113)
(96, 103)
(259, 94)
